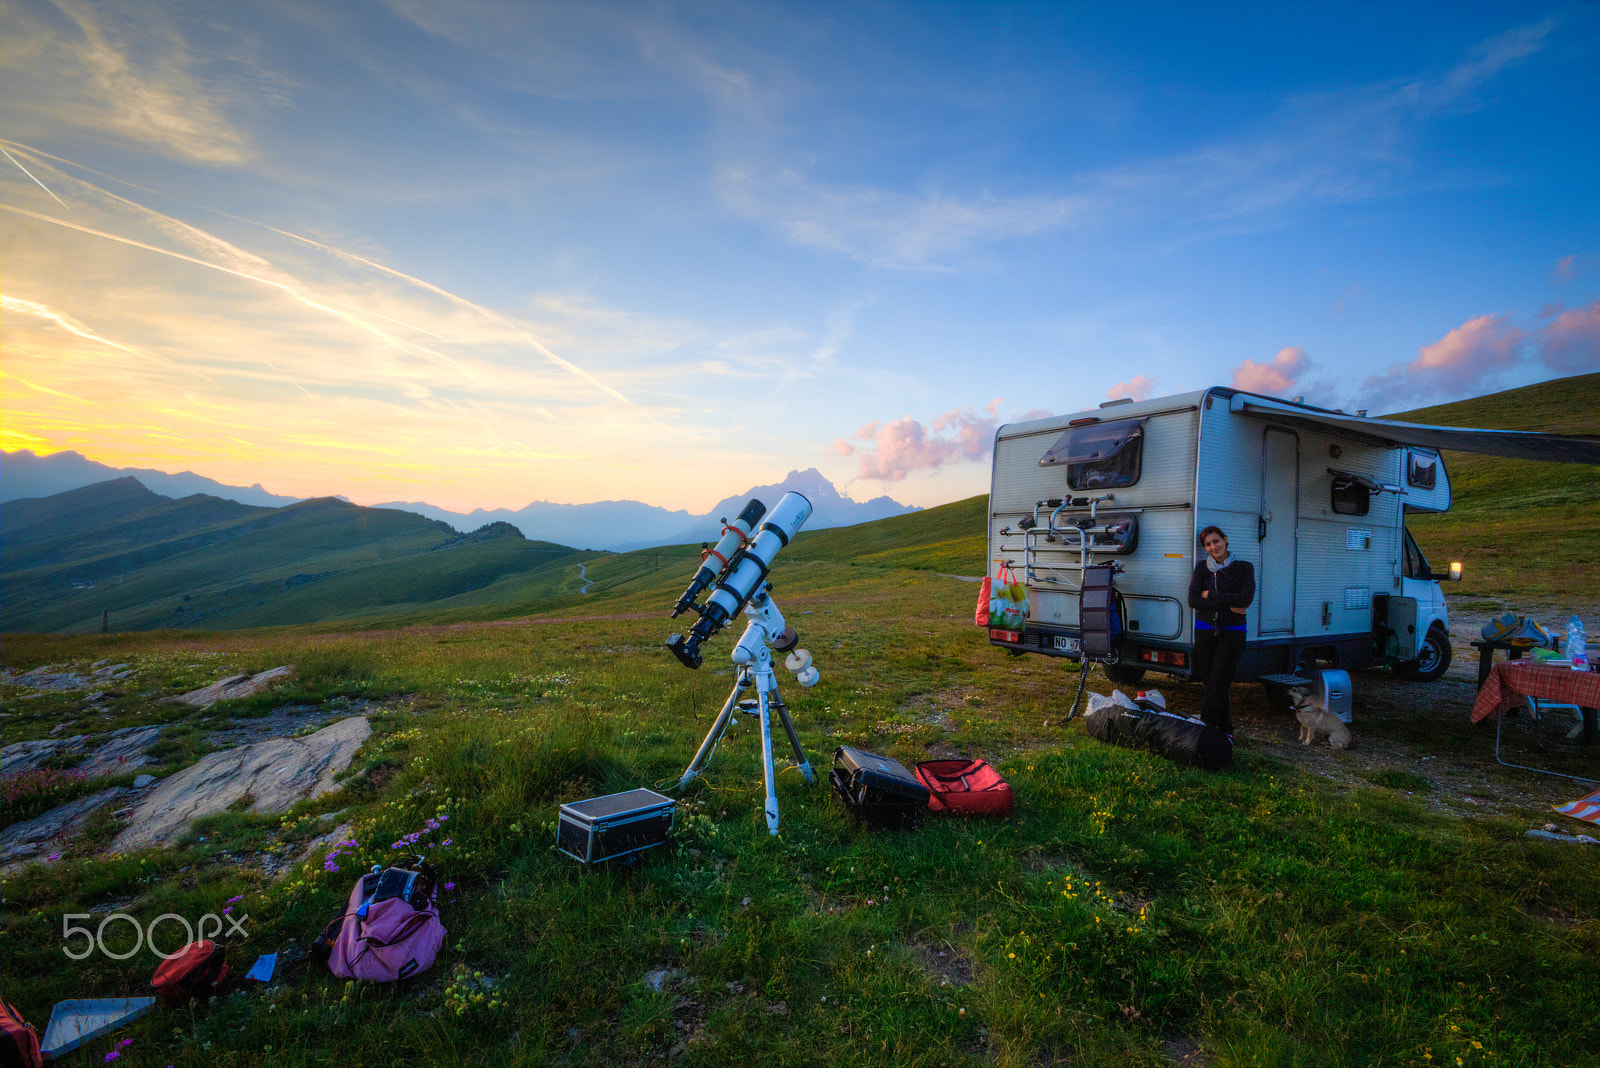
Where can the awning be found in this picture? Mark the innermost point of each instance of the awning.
(1519, 444)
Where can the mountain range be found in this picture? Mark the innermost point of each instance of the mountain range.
(616, 526)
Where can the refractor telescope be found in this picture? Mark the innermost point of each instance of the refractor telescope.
(738, 566)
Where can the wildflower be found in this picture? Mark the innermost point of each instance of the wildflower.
(449, 886)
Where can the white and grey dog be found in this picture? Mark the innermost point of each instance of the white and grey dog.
(1315, 720)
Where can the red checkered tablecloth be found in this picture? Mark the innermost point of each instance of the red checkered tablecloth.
(1514, 679)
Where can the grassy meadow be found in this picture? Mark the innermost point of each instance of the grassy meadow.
(1284, 912)
(1130, 912)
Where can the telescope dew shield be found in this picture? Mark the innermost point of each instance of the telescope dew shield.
(783, 523)
(719, 560)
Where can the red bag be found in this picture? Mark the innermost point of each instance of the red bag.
(965, 788)
(981, 615)
(19, 1043)
(195, 971)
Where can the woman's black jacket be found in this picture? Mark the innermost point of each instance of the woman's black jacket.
(1232, 587)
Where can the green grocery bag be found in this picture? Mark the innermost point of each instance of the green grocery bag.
(1008, 601)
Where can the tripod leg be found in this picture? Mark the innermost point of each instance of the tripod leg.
(715, 733)
(794, 739)
(766, 760)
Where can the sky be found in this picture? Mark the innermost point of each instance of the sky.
(481, 253)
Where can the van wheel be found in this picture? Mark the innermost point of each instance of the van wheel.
(1433, 661)
(1123, 675)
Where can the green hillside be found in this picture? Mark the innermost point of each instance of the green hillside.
(201, 561)
(1519, 524)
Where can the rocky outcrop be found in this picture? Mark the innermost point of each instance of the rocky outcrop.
(46, 677)
(121, 750)
(274, 774)
(52, 829)
(233, 687)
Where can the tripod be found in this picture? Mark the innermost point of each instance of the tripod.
(754, 661)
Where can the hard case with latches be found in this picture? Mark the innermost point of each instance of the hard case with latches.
(877, 789)
(615, 826)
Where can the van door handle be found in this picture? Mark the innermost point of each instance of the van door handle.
(1261, 528)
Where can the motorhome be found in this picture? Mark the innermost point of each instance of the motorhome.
(1098, 513)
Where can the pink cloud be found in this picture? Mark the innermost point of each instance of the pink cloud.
(1275, 379)
(897, 449)
(1139, 388)
(1469, 359)
(1570, 344)
(1458, 365)
(1477, 347)
(1566, 269)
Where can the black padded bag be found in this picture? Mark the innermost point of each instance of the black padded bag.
(1181, 740)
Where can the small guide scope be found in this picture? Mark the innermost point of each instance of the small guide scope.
(717, 561)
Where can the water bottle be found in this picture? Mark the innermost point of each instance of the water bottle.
(1577, 645)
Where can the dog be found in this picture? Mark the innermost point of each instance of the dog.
(1315, 720)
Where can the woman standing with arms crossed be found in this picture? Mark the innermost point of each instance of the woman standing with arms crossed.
(1219, 592)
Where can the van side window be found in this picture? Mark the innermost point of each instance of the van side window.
(1100, 455)
(1350, 497)
(1422, 469)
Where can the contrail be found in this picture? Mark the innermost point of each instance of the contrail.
(532, 341)
(353, 320)
(39, 311)
(36, 181)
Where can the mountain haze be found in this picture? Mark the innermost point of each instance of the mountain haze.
(616, 526)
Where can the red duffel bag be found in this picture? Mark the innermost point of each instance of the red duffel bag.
(965, 788)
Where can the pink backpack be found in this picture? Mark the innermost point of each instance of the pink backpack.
(390, 928)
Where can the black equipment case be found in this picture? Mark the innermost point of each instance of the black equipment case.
(877, 789)
(1179, 739)
(614, 826)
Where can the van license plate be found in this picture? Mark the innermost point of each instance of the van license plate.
(1066, 645)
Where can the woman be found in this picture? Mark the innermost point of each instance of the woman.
(1222, 588)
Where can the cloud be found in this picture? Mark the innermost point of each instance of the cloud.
(1570, 344)
(1470, 359)
(1276, 378)
(1138, 388)
(130, 71)
(1566, 269)
(887, 228)
(897, 449)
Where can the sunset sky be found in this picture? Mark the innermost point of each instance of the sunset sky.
(484, 252)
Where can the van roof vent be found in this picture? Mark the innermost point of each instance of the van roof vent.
(1114, 403)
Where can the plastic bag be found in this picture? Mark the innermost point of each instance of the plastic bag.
(980, 615)
(1008, 601)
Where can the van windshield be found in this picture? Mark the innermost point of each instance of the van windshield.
(1416, 563)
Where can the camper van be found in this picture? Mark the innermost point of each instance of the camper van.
(1098, 513)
